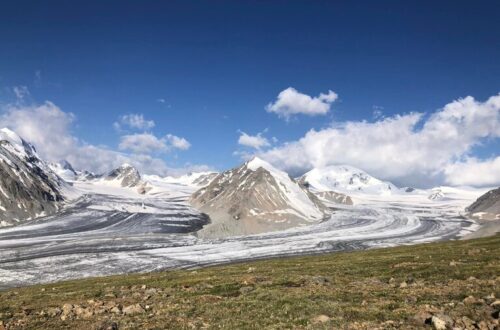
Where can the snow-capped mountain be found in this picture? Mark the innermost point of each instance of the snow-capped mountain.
(64, 170)
(346, 179)
(436, 194)
(254, 198)
(28, 187)
(125, 176)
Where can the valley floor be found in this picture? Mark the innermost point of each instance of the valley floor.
(112, 230)
(446, 284)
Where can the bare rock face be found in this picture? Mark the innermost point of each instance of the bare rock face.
(255, 198)
(126, 175)
(486, 207)
(28, 187)
(335, 197)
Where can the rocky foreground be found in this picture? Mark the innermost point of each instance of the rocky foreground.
(452, 285)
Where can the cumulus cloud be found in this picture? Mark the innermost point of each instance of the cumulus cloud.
(474, 172)
(147, 143)
(177, 142)
(291, 102)
(48, 128)
(143, 143)
(407, 149)
(253, 141)
(134, 121)
(45, 125)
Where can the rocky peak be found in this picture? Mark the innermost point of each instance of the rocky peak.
(256, 197)
(126, 175)
(28, 187)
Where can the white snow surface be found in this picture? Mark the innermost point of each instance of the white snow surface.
(186, 179)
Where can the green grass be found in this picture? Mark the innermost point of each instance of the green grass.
(354, 290)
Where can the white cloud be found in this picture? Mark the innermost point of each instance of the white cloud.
(177, 142)
(45, 125)
(405, 148)
(21, 92)
(143, 143)
(135, 121)
(147, 143)
(48, 128)
(474, 172)
(253, 141)
(291, 102)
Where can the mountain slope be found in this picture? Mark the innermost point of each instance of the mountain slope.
(255, 198)
(64, 170)
(28, 187)
(346, 179)
(487, 206)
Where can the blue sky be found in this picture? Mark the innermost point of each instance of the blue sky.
(215, 66)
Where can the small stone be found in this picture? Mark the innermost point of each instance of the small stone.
(489, 298)
(453, 263)
(321, 319)
(438, 323)
(116, 310)
(411, 299)
(67, 308)
(107, 325)
(495, 304)
(54, 311)
(483, 325)
(144, 287)
(403, 285)
(470, 300)
(133, 309)
(246, 289)
(422, 317)
(151, 291)
(319, 280)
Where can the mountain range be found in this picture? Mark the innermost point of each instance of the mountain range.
(253, 198)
